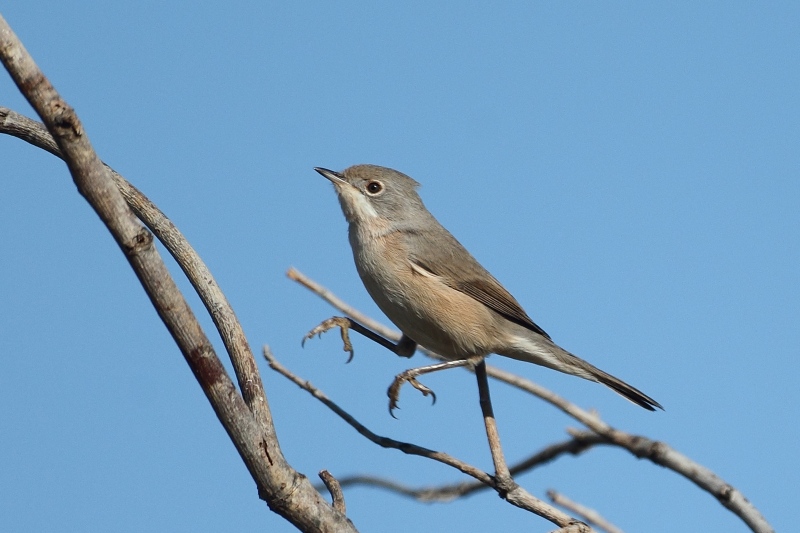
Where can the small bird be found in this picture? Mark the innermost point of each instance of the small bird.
(431, 288)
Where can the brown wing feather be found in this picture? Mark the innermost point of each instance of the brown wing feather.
(490, 293)
(496, 297)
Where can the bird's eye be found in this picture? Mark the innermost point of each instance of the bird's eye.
(374, 187)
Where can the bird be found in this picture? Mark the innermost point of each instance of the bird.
(434, 290)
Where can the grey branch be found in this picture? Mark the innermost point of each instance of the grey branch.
(579, 443)
(642, 447)
(514, 494)
(333, 486)
(248, 420)
(502, 475)
(178, 246)
(288, 493)
(589, 515)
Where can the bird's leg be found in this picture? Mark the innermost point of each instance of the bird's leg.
(405, 347)
(410, 376)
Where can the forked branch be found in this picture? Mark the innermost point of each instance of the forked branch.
(642, 447)
(287, 492)
(513, 494)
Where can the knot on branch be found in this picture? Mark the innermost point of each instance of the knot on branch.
(656, 451)
(141, 241)
(504, 485)
(725, 494)
(64, 118)
(279, 500)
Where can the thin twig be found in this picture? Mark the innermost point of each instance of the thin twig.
(289, 494)
(578, 527)
(336, 302)
(517, 496)
(445, 493)
(658, 452)
(589, 515)
(385, 442)
(502, 475)
(333, 486)
(178, 246)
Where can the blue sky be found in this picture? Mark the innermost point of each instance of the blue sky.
(628, 171)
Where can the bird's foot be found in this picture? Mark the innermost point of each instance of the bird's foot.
(342, 323)
(409, 376)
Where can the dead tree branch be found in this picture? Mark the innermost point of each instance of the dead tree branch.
(642, 447)
(578, 444)
(333, 486)
(287, 492)
(502, 475)
(514, 494)
(590, 515)
(188, 259)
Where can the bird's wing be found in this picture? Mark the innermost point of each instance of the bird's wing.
(460, 271)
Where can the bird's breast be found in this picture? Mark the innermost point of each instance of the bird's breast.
(425, 309)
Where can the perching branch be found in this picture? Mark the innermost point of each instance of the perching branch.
(247, 418)
(658, 452)
(642, 447)
(502, 474)
(515, 494)
(385, 442)
(579, 443)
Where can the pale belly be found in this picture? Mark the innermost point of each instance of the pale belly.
(434, 315)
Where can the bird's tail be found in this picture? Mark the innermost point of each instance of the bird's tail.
(627, 391)
(533, 348)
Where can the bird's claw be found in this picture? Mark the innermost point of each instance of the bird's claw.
(394, 389)
(338, 321)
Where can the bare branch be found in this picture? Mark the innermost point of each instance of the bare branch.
(590, 515)
(658, 452)
(502, 475)
(287, 492)
(295, 275)
(579, 527)
(184, 254)
(385, 442)
(445, 493)
(515, 495)
(333, 486)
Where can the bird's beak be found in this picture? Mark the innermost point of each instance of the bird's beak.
(355, 204)
(335, 177)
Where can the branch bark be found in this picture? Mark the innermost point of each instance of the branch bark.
(286, 491)
(576, 445)
(502, 475)
(333, 486)
(247, 418)
(642, 447)
(590, 515)
(511, 492)
(188, 259)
